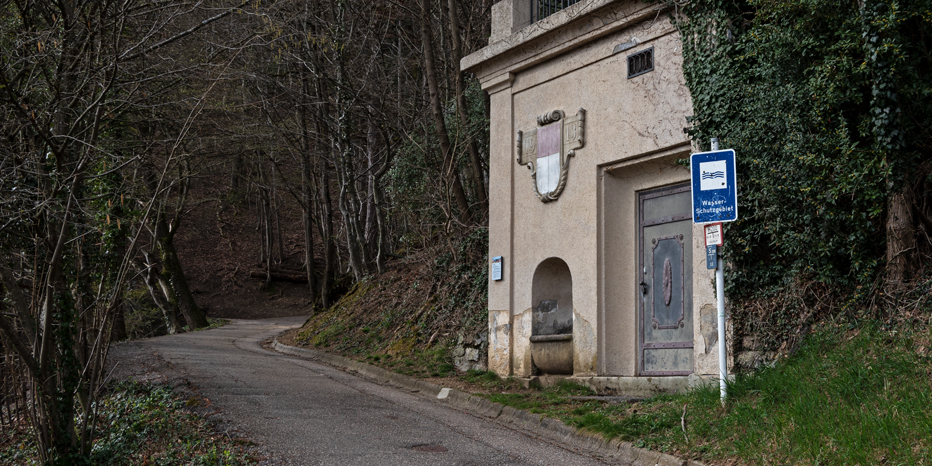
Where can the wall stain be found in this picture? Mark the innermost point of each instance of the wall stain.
(585, 356)
(521, 359)
(708, 326)
(499, 347)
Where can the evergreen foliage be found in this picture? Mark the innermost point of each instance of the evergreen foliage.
(828, 105)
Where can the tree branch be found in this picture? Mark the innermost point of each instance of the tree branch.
(18, 346)
(188, 32)
(19, 303)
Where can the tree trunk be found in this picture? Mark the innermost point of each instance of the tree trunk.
(192, 313)
(325, 206)
(265, 218)
(267, 231)
(350, 223)
(381, 241)
(327, 239)
(172, 271)
(161, 293)
(55, 372)
(118, 322)
(372, 151)
(273, 201)
(236, 175)
(456, 53)
(449, 157)
(901, 240)
(348, 190)
(20, 304)
(307, 193)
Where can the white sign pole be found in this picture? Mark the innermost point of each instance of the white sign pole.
(722, 357)
(720, 294)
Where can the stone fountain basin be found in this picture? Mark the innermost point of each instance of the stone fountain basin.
(553, 354)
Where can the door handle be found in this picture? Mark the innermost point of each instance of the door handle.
(644, 288)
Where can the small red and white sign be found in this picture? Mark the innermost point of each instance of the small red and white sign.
(713, 234)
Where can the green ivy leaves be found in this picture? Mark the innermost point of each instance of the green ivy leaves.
(827, 104)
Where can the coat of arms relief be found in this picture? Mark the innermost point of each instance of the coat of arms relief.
(546, 150)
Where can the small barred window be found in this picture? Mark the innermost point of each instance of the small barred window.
(641, 62)
(545, 8)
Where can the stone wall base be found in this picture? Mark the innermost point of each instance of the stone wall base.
(627, 386)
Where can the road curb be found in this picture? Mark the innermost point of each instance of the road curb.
(619, 451)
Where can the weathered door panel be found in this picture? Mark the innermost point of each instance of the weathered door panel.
(666, 324)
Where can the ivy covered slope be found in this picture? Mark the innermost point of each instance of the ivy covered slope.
(828, 104)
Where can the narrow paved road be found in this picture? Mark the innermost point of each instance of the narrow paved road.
(304, 412)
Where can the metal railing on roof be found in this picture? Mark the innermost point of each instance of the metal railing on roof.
(544, 8)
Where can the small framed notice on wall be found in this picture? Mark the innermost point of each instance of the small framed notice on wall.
(497, 268)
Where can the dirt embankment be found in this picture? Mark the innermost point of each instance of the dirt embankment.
(426, 315)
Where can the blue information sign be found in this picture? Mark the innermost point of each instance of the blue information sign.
(715, 193)
(497, 268)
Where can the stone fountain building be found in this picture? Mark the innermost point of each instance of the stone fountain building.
(598, 272)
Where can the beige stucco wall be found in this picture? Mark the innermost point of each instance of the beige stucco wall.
(633, 135)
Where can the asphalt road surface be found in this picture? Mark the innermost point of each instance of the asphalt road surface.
(304, 412)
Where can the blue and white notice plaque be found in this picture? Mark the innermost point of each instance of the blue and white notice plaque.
(715, 193)
(497, 268)
(711, 257)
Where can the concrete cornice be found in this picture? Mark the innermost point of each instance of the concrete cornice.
(567, 29)
(498, 83)
(679, 150)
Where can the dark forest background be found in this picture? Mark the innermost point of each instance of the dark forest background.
(158, 156)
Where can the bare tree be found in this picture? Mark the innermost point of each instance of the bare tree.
(68, 72)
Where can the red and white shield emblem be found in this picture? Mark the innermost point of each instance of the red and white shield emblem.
(546, 151)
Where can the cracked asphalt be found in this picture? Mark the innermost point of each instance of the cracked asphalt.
(302, 412)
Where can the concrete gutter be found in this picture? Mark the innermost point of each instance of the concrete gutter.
(619, 452)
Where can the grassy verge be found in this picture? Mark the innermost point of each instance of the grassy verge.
(432, 362)
(142, 424)
(847, 397)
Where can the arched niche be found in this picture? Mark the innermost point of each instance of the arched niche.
(552, 318)
(552, 298)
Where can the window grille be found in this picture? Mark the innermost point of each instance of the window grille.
(641, 62)
(545, 8)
